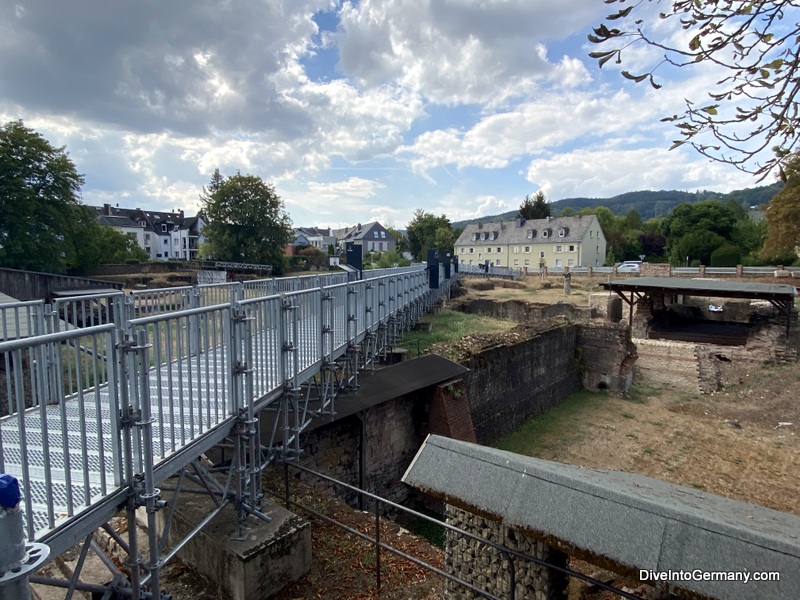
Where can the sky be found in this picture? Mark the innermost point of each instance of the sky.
(354, 111)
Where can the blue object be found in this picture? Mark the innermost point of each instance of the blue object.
(9, 491)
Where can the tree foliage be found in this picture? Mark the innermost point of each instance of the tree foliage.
(783, 218)
(43, 225)
(426, 231)
(753, 107)
(696, 230)
(534, 208)
(39, 191)
(246, 221)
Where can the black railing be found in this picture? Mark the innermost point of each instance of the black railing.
(381, 504)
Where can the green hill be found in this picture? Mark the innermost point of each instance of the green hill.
(649, 204)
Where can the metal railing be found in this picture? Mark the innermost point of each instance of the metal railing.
(123, 385)
(381, 505)
(493, 271)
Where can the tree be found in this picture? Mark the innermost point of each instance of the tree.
(696, 230)
(401, 244)
(534, 208)
(426, 231)
(88, 243)
(783, 218)
(39, 193)
(753, 107)
(245, 221)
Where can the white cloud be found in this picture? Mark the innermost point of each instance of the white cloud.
(598, 173)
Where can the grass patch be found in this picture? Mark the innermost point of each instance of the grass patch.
(449, 326)
(430, 531)
(628, 415)
(641, 393)
(552, 430)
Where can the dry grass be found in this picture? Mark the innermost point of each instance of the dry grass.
(728, 444)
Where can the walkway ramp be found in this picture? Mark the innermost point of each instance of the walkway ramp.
(635, 521)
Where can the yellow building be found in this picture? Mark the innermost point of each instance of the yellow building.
(552, 242)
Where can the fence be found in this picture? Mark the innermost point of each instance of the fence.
(97, 391)
(382, 506)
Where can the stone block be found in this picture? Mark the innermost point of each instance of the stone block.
(270, 556)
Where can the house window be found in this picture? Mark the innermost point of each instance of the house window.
(516, 249)
(541, 254)
(572, 248)
(383, 234)
(164, 228)
(471, 250)
(558, 262)
(146, 237)
(516, 262)
(497, 262)
(499, 250)
(597, 249)
(489, 250)
(570, 263)
(470, 261)
(590, 233)
(527, 262)
(375, 233)
(462, 251)
(527, 248)
(166, 242)
(558, 248)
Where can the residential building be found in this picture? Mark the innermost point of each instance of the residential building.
(163, 235)
(552, 242)
(322, 239)
(372, 237)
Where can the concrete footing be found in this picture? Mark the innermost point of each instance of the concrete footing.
(271, 556)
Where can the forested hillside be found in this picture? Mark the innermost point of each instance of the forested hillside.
(648, 204)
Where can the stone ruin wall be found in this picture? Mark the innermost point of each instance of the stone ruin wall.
(486, 568)
(506, 386)
(695, 367)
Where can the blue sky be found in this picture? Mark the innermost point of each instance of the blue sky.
(355, 111)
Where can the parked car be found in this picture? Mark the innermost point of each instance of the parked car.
(629, 266)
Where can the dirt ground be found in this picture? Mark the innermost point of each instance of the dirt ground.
(742, 442)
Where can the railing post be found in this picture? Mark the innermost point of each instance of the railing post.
(18, 560)
(378, 545)
(145, 493)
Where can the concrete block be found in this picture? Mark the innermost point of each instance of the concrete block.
(270, 557)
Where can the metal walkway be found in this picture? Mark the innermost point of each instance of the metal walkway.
(111, 395)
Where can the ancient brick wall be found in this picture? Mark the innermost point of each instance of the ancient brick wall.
(671, 365)
(392, 433)
(606, 356)
(509, 384)
(526, 312)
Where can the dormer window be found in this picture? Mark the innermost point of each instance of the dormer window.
(143, 223)
(483, 236)
(374, 233)
(531, 234)
(561, 233)
(163, 228)
(474, 237)
(545, 233)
